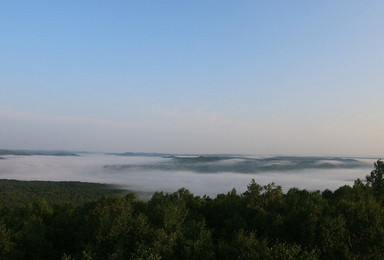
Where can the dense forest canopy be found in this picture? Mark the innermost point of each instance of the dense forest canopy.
(261, 223)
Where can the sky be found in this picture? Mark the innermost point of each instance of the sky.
(250, 77)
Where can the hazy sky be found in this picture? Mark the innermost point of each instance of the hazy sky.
(260, 77)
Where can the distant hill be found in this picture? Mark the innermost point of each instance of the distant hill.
(140, 154)
(217, 164)
(19, 193)
(33, 152)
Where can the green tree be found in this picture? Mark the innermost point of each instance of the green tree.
(375, 178)
(6, 244)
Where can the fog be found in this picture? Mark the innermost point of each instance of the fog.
(149, 174)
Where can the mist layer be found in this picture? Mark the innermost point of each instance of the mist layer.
(202, 175)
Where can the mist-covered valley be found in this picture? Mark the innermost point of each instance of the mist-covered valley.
(201, 174)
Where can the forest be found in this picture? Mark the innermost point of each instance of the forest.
(41, 220)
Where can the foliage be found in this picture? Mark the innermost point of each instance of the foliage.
(19, 193)
(376, 177)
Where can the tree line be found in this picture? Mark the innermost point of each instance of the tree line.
(261, 223)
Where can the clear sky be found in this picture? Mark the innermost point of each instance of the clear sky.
(259, 77)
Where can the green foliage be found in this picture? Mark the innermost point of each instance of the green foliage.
(262, 198)
(19, 193)
(376, 177)
(246, 246)
(6, 244)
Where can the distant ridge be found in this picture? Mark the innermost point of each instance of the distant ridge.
(141, 154)
(34, 152)
(217, 164)
(169, 155)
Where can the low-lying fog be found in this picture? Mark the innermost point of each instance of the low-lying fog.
(201, 175)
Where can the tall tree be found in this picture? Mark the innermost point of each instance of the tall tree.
(375, 178)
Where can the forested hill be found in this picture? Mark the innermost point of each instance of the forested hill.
(20, 193)
(261, 223)
(31, 152)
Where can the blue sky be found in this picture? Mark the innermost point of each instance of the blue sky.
(260, 77)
